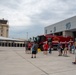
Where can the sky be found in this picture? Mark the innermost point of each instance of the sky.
(27, 18)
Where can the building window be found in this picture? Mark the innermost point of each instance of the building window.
(51, 31)
(1, 35)
(45, 31)
(7, 30)
(68, 25)
(54, 29)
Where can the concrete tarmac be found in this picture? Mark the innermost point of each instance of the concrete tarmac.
(14, 61)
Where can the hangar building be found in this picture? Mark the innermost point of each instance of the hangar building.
(66, 27)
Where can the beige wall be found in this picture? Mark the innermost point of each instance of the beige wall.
(67, 33)
(4, 30)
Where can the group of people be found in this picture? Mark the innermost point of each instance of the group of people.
(64, 48)
(67, 47)
(47, 46)
(32, 48)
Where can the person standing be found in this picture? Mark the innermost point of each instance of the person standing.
(34, 49)
(65, 49)
(50, 47)
(73, 48)
(71, 43)
(69, 47)
(26, 47)
(29, 47)
(45, 47)
(75, 53)
(60, 49)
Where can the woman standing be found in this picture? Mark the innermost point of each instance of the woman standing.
(45, 47)
(65, 49)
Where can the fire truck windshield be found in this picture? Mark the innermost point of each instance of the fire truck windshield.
(41, 38)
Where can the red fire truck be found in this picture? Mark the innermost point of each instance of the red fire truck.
(54, 39)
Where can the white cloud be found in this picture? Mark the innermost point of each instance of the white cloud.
(25, 13)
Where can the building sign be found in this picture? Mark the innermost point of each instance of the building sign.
(68, 25)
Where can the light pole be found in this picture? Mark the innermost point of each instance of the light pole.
(27, 35)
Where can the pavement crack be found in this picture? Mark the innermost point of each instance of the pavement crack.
(45, 73)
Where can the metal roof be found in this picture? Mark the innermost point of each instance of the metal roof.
(10, 39)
